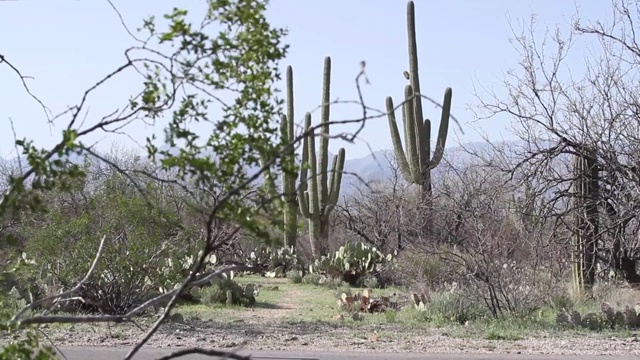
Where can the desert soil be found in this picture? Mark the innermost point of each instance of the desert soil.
(269, 329)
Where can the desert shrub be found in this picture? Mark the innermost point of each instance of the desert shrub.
(503, 253)
(314, 279)
(422, 268)
(295, 276)
(448, 305)
(454, 307)
(145, 251)
(368, 281)
(562, 301)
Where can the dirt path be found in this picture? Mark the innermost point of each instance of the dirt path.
(289, 305)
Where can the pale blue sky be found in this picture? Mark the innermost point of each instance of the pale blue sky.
(68, 45)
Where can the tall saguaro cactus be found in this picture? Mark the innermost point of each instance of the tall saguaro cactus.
(318, 200)
(584, 242)
(416, 162)
(287, 169)
(288, 164)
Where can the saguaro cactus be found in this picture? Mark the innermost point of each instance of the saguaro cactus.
(288, 173)
(287, 168)
(317, 202)
(416, 162)
(586, 187)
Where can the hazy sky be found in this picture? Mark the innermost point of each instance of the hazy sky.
(66, 46)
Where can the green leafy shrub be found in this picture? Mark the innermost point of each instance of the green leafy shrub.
(314, 279)
(145, 251)
(352, 262)
(447, 307)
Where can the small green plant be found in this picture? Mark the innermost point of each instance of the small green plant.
(446, 307)
(391, 316)
(295, 276)
(563, 302)
(369, 281)
(494, 334)
(314, 279)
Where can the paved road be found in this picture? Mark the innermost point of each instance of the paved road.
(105, 353)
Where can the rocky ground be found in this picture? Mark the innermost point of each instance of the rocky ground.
(281, 335)
(286, 325)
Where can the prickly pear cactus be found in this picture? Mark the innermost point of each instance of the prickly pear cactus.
(420, 301)
(351, 262)
(366, 303)
(277, 261)
(608, 317)
(225, 290)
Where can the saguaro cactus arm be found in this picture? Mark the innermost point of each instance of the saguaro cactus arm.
(443, 130)
(318, 198)
(324, 132)
(303, 193)
(408, 162)
(314, 196)
(337, 168)
(416, 160)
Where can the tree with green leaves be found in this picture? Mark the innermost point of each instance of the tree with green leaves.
(239, 58)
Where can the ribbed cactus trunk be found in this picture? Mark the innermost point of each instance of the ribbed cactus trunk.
(416, 163)
(287, 170)
(585, 236)
(288, 166)
(318, 192)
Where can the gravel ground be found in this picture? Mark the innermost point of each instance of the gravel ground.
(279, 335)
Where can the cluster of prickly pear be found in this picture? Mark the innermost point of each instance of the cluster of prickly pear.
(366, 303)
(608, 317)
(351, 262)
(277, 262)
(225, 290)
(183, 264)
(420, 301)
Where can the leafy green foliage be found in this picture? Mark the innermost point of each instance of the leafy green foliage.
(242, 59)
(137, 261)
(28, 347)
(239, 59)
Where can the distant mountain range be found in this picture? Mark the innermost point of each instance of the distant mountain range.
(376, 166)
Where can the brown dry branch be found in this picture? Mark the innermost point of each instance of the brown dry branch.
(559, 111)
